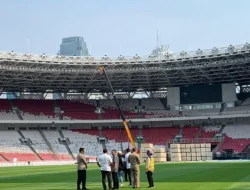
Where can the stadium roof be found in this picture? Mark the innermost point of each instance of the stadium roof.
(39, 73)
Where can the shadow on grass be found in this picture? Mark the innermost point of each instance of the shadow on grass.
(163, 173)
(93, 177)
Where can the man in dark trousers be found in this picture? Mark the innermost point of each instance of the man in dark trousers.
(120, 168)
(81, 169)
(104, 161)
(150, 163)
(128, 165)
(115, 166)
(125, 167)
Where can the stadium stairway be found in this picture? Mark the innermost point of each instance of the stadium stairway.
(3, 159)
(100, 132)
(33, 150)
(49, 145)
(218, 145)
(180, 131)
(198, 134)
(30, 146)
(57, 110)
(221, 129)
(66, 144)
(21, 134)
(222, 108)
(15, 110)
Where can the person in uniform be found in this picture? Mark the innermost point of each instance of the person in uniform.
(114, 168)
(150, 162)
(81, 169)
(134, 161)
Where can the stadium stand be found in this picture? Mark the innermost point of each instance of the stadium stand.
(77, 110)
(53, 138)
(110, 113)
(116, 135)
(158, 135)
(246, 102)
(9, 142)
(44, 110)
(236, 137)
(209, 131)
(82, 138)
(2, 159)
(202, 112)
(236, 110)
(189, 132)
(36, 109)
(128, 104)
(5, 111)
(20, 157)
(39, 144)
(11, 147)
(152, 104)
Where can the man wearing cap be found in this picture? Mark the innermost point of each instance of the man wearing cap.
(150, 162)
(81, 169)
(134, 161)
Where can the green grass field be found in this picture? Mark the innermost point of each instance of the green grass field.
(172, 176)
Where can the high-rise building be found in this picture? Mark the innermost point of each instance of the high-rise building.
(161, 51)
(73, 46)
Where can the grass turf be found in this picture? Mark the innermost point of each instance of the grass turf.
(172, 176)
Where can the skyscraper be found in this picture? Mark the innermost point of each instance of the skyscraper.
(161, 51)
(73, 46)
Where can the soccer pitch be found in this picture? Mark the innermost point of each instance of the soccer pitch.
(172, 176)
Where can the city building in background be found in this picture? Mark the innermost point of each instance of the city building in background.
(161, 51)
(73, 46)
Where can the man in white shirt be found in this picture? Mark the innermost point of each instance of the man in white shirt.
(104, 161)
(128, 165)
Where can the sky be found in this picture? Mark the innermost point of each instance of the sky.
(128, 27)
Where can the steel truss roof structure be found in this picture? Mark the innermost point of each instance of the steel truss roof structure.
(40, 73)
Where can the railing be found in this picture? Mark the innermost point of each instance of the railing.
(188, 141)
(128, 59)
(186, 114)
(236, 112)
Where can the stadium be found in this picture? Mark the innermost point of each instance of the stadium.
(192, 108)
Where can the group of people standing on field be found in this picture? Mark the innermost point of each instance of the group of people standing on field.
(116, 166)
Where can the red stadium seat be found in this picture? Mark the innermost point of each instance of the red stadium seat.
(21, 157)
